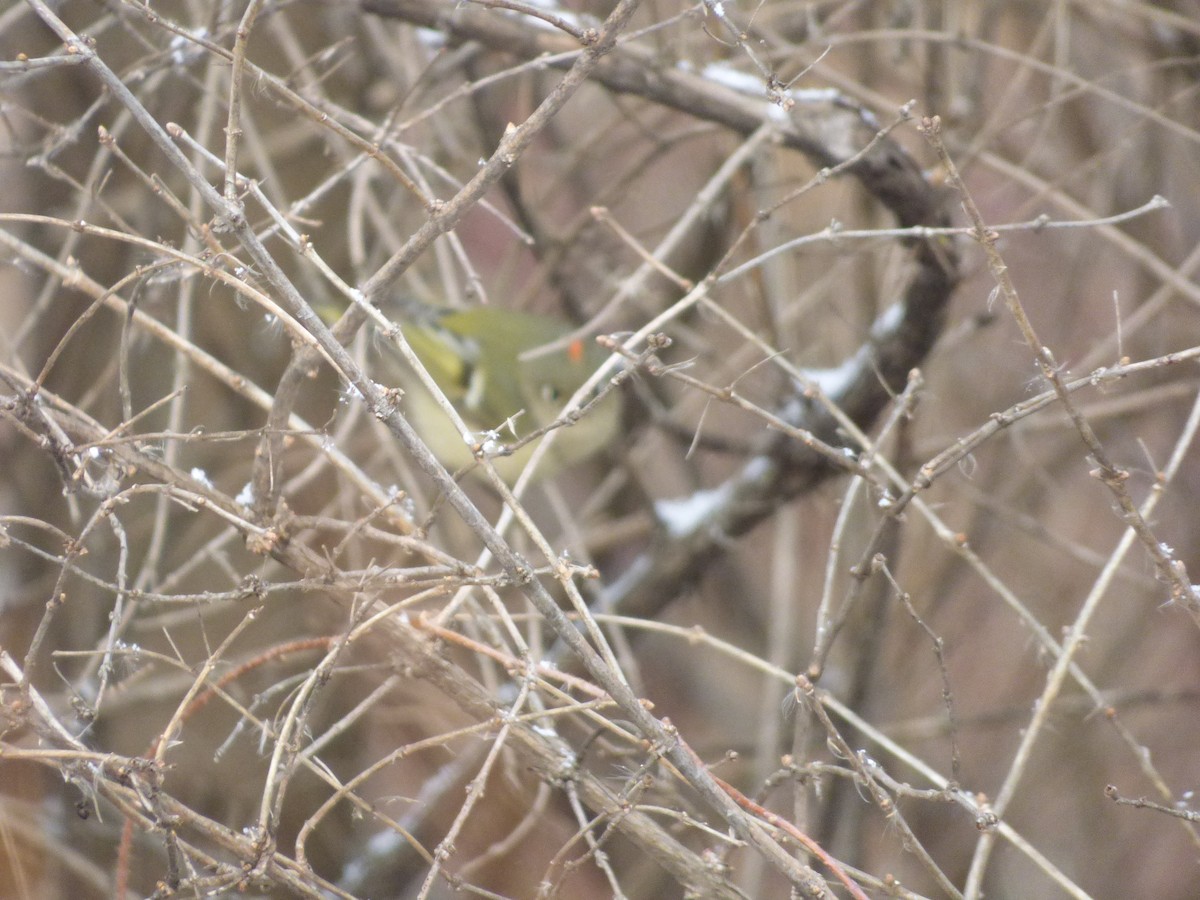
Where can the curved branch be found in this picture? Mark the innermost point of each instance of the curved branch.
(833, 133)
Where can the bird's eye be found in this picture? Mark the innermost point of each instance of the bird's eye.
(550, 393)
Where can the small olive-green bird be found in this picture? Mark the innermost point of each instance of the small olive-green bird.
(488, 363)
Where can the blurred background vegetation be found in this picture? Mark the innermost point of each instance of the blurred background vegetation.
(249, 646)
